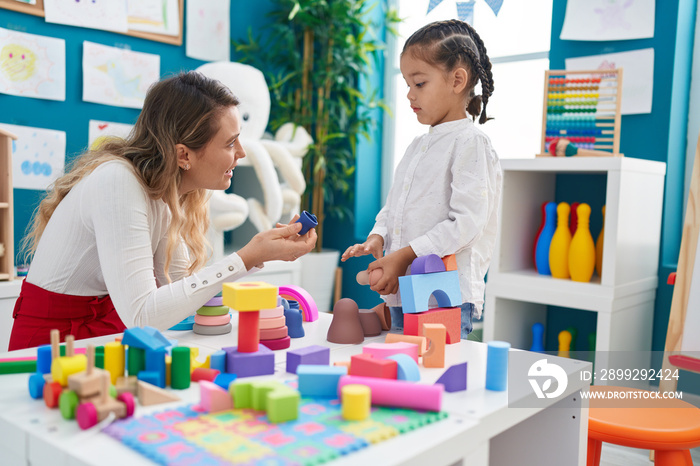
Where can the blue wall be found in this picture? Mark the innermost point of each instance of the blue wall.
(73, 114)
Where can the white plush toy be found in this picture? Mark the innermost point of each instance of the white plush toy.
(267, 157)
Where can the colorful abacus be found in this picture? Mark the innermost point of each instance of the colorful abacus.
(582, 107)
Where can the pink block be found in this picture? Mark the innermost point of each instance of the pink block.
(274, 345)
(214, 398)
(273, 322)
(270, 313)
(398, 393)
(384, 350)
(212, 320)
(306, 302)
(273, 333)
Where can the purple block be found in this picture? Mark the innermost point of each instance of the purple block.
(215, 301)
(314, 354)
(262, 362)
(427, 264)
(455, 378)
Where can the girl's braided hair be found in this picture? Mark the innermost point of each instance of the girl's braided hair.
(449, 44)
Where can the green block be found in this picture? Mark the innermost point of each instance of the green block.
(213, 310)
(180, 368)
(17, 367)
(136, 360)
(100, 360)
(283, 405)
(260, 392)
(242, 393)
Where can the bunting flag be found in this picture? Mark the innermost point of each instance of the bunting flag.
(433, 4)
(495, 5)
(465, 11)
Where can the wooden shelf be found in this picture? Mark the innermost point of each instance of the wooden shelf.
(7, 261)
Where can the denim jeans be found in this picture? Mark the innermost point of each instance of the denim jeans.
(467, 312)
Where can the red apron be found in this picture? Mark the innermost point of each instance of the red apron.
(38, 311)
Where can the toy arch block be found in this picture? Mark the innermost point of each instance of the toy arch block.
(249, 296)
(309, 310)
(417, 289)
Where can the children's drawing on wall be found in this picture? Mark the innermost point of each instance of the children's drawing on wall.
(637, 76)
(38, 156)
(100, 131)
(208, 26)
(32, 65)
(608, 20)
(114, 76)
(156, 16)
(109, 15)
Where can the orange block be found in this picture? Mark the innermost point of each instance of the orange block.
(420, 341)
(366, 365)
(450, 262)
(450, 317)
(435, 356)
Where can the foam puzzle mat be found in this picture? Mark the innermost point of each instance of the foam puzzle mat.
(184, 436)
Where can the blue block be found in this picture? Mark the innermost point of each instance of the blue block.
(308, 221)
(140, 338)
(36, 385)
(313, 354)
(320, 381)
(185, 324)
(217, 361)
(406, 368)
(497, 366)
(224, 380)
(43, 359)
(416, 291)
(455, 378)
(293, 319)
(427, 264)
(262, 362)
(155, 362)
(149, 377)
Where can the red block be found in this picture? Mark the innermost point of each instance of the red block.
(450, 317)
(204, 373)
(365, 365)
(248, 331)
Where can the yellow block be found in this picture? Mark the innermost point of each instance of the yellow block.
(356, 402)
(114, 360)
(168, 369)
(64, 366)
(249, 296)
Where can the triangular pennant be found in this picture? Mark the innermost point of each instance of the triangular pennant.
(433, 4)
(465, 11)
(495, 5)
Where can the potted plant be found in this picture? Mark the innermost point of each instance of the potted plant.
(314, 55)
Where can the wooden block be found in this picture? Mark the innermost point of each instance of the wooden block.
(127, 384)
(85, 384)
(365, 365)
(151, 395)
(450, 317)
(249, 296)
(436, 335)
(422, 342)
(64, 366)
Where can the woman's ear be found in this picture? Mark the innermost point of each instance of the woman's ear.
(460, 78)
(183, 156)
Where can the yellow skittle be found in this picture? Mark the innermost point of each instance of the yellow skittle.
(582, 249)
(561, 240)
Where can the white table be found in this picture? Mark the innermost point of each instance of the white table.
(481, 428)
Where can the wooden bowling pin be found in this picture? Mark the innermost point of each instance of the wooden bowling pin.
(599, 248)
(582, 249)
(559, 247)
(545, 239)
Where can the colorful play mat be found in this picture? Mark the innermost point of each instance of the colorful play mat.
(183, 436)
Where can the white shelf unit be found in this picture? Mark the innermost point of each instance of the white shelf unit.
(623, 298)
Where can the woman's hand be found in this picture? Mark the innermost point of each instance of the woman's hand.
(280, 243)
(393, 265)
(374, 245)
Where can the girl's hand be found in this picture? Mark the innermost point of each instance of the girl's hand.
(280, 243)
(374, 245)
(394, 265)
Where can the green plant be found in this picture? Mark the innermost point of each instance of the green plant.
(314, 56)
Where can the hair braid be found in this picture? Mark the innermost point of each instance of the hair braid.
(450, 43)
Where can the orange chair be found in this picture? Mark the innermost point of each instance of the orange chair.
(670, 427)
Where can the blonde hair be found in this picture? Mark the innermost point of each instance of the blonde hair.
(183, 109)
